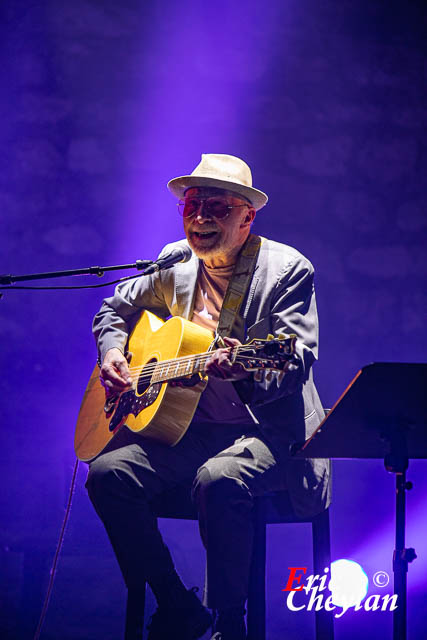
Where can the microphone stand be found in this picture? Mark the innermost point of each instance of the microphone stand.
(97, 271)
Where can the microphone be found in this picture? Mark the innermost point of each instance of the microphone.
(180, 253)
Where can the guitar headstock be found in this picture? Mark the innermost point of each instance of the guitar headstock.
(274, 354)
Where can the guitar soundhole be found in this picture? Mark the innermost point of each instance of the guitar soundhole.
(145, 377)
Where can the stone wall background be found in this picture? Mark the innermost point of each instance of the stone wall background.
(100, 104)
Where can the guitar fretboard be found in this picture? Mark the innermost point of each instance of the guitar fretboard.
(248, 355)
(178, 368)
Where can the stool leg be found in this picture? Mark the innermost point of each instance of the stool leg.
(135, 614)
(256, 592)
(322, 559)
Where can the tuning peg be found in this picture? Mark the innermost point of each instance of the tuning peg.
(281, 336)
(270, 336)
(259, 375)
(269, 375)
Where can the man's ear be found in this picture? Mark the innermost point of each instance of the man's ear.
(249, 216)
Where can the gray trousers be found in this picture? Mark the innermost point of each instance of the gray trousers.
(224, 465)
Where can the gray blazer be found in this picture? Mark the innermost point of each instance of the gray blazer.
(280, 299)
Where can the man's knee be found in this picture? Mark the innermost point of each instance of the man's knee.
(213, 485)
(101, 477)
(116, 475)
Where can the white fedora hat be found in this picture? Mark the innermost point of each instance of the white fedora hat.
(223, 172)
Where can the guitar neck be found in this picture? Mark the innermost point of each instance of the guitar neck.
(273, 355)
(179, 367)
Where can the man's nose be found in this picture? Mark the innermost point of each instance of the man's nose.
(201, 218)
(201, 215)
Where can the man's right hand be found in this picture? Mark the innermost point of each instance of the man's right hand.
(115, 374)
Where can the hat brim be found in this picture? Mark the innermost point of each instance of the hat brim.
(178, 186)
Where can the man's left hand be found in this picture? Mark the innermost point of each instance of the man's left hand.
(221, 366)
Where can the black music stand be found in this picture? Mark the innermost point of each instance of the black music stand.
(381, 414)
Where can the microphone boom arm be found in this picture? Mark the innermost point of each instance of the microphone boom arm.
(95, 271)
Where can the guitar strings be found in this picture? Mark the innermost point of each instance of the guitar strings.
(183, 361)
(148, 370)
(140, 369)
(148, 378)
(186, 359)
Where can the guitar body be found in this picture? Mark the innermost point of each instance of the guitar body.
(157, 411)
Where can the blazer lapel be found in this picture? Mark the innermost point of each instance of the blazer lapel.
(185, 287)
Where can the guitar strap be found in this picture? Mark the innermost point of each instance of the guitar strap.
(229, 320)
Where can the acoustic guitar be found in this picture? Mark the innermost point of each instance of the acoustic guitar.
(163, 352)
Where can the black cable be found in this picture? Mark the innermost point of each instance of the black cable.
(88, 286)
(57, 552)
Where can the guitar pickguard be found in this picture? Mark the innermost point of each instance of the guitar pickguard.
(130, 403)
